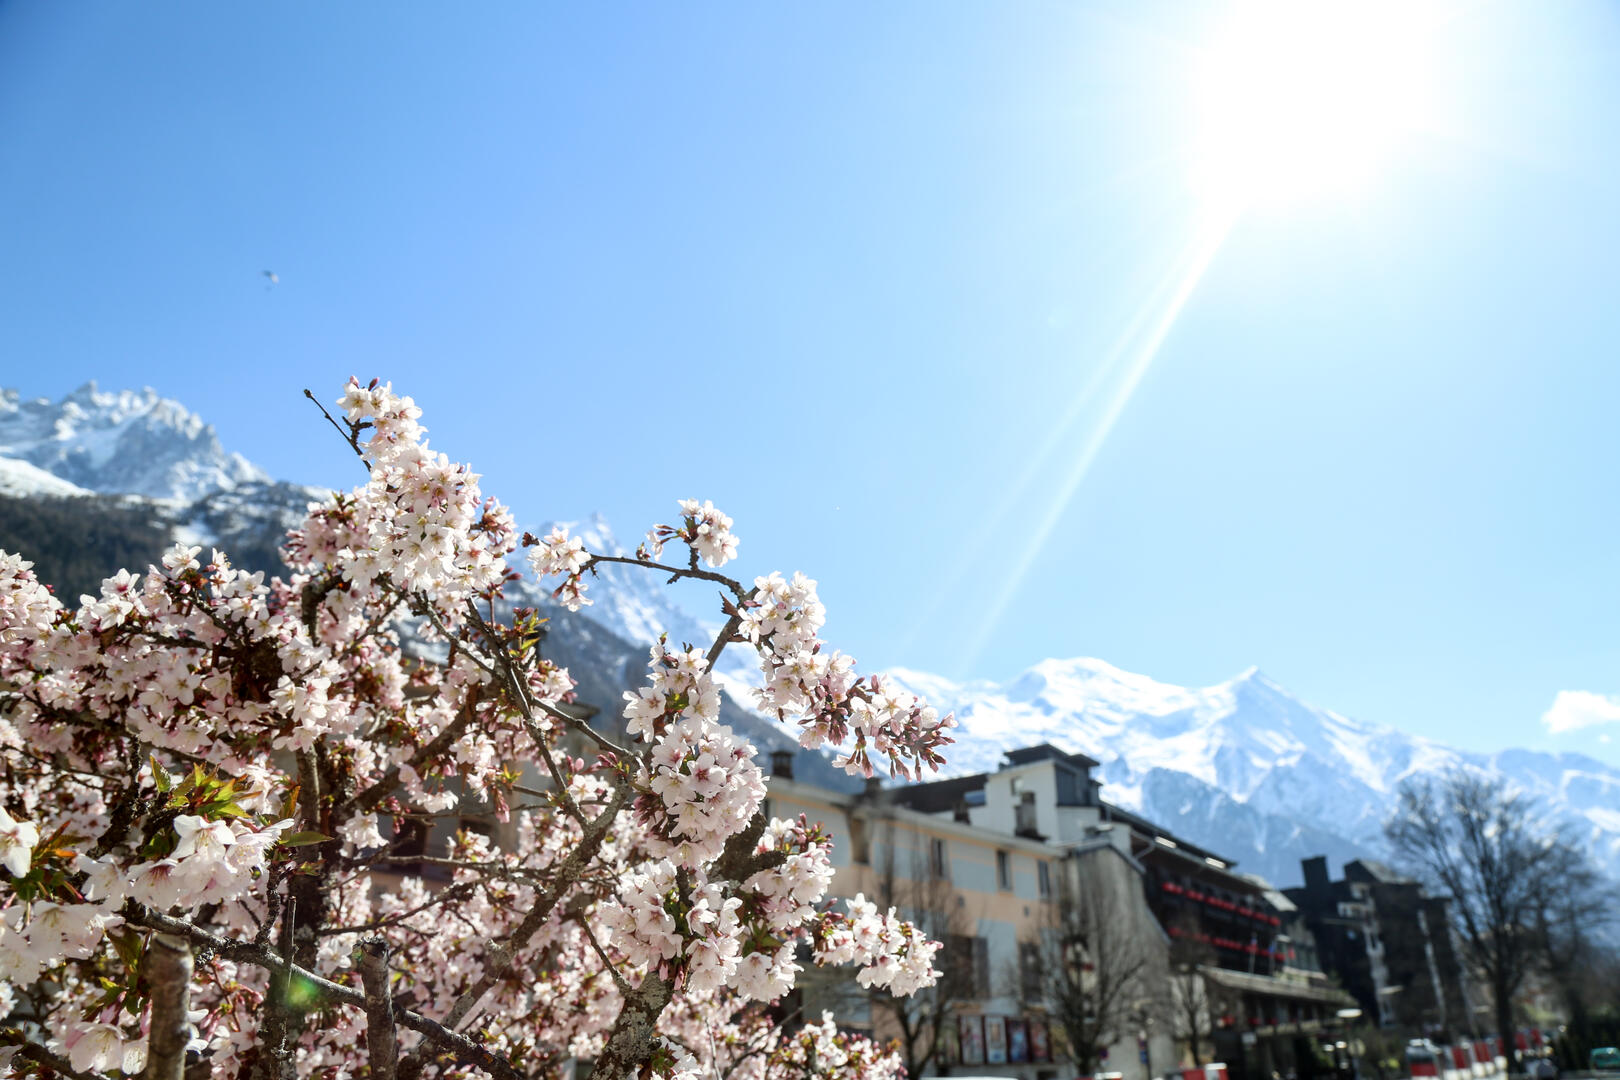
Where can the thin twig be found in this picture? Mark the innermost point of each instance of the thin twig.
(675, 572)
(352, 436)
(607, 965)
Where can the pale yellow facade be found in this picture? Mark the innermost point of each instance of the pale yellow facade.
(993, 887)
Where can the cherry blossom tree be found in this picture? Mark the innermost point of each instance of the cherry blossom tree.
(207, 778)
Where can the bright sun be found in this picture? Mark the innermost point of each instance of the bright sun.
(1302, 100)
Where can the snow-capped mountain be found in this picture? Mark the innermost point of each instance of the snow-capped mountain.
(21, 478)
(123, 442)
(1244, 767)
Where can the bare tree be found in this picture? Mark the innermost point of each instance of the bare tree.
(1570, 929)
(1475, 841)
(1194, 1000)
(1095, 963)
(925, 895)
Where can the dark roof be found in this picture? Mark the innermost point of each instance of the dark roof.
(1143, 825)
(1375, 871)
(937, 796)
(1046, 751)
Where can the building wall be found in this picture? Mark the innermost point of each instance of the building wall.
(885, 851)
(991, 874)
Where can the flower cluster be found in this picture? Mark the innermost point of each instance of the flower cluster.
(891, 952)
(822, 1051)
(822, 691)
(700, 778)
(705, 530)
(420, 523)
(558, 553)
(212, 862)
(711, 934)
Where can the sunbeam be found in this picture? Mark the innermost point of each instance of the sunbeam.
(970, 553)
(1137, 349)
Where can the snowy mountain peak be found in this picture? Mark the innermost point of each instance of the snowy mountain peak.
(121, 442)
(1245, 767)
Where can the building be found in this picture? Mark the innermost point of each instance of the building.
(1229, 987)
(984, 895)
(1392, 945)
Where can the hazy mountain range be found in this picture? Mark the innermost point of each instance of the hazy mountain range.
(102, 479)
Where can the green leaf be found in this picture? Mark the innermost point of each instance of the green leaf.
(194, 778)
(161, 777)
(214, 809)
(129, 947)
(301, 839)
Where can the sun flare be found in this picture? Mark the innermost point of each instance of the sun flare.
(1307, 99)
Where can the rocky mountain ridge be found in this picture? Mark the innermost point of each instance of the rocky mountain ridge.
(125, 442)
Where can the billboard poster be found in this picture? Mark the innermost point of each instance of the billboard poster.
(950, 1044)
(1017, 1042)
(972, 1032)
(995, 1040)
(1040, 1044)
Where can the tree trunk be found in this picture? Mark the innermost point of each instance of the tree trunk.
(1504, 1023)
(1085, 1058)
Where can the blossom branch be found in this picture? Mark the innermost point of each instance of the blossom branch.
(41, 1056)
(675, 573)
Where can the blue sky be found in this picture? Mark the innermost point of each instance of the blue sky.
(849, 271)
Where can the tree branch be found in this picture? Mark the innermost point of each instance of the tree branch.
(382, 1040)
(352, 436)
(675, 572)
(168, 968)
(55, 1062)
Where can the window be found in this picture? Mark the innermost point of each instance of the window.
(939, 863)
(1029, 972)
(860, 843)
(1003, 871)
(967, 965)
(1043, 870)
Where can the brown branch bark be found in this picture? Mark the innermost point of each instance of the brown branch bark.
(382, 1040)
(630, 1044)
(168, 968)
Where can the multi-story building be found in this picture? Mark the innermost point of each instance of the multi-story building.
(1230, 989)
(984, 895)
(1391, 945)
